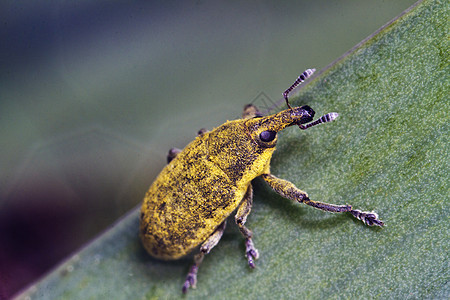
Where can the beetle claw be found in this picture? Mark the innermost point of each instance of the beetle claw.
(368, 218)
(251, 253)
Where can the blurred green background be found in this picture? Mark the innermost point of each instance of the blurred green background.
(94, 93)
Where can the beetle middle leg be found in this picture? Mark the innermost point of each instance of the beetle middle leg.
(173, 152)
(289, 190)
(205, 248)
(241, 217)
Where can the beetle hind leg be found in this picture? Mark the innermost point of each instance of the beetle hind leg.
(241, 217)
(205, 248)
(173, 152)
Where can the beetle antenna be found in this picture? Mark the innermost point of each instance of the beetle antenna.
(323, 119)
(299, 80)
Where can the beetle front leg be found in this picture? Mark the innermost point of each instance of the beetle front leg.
(211, 242)
(290, 191)
(241, 217)
(250, 111)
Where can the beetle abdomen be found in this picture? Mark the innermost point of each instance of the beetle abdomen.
(186, 203)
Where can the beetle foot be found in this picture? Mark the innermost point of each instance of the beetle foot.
(251, 252)
(368, 218)
(191, 279)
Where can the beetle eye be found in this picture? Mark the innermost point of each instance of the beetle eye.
(267, 136)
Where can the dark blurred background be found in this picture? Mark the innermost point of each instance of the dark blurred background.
(94, 93)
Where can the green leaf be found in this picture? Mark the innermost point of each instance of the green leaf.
(388, 151)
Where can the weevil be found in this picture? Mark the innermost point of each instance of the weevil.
(188, 204)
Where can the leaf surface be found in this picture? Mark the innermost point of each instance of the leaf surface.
(388, 152)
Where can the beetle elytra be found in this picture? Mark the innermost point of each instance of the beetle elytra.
(203, 184)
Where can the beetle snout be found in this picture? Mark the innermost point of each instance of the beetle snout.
(279, 121)
(306, 114)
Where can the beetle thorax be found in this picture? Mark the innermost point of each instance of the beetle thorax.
(232, 148)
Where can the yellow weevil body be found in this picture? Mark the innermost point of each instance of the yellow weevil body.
(188, 203)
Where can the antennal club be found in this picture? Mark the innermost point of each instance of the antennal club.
(323, 119)
(299, 80)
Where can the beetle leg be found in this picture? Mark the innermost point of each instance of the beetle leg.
(202, 131)
(241, 217)
(250, 111)
(290, 191)
(173, 152)
(205, 248)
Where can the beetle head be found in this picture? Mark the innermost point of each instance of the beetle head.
(263, 130)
